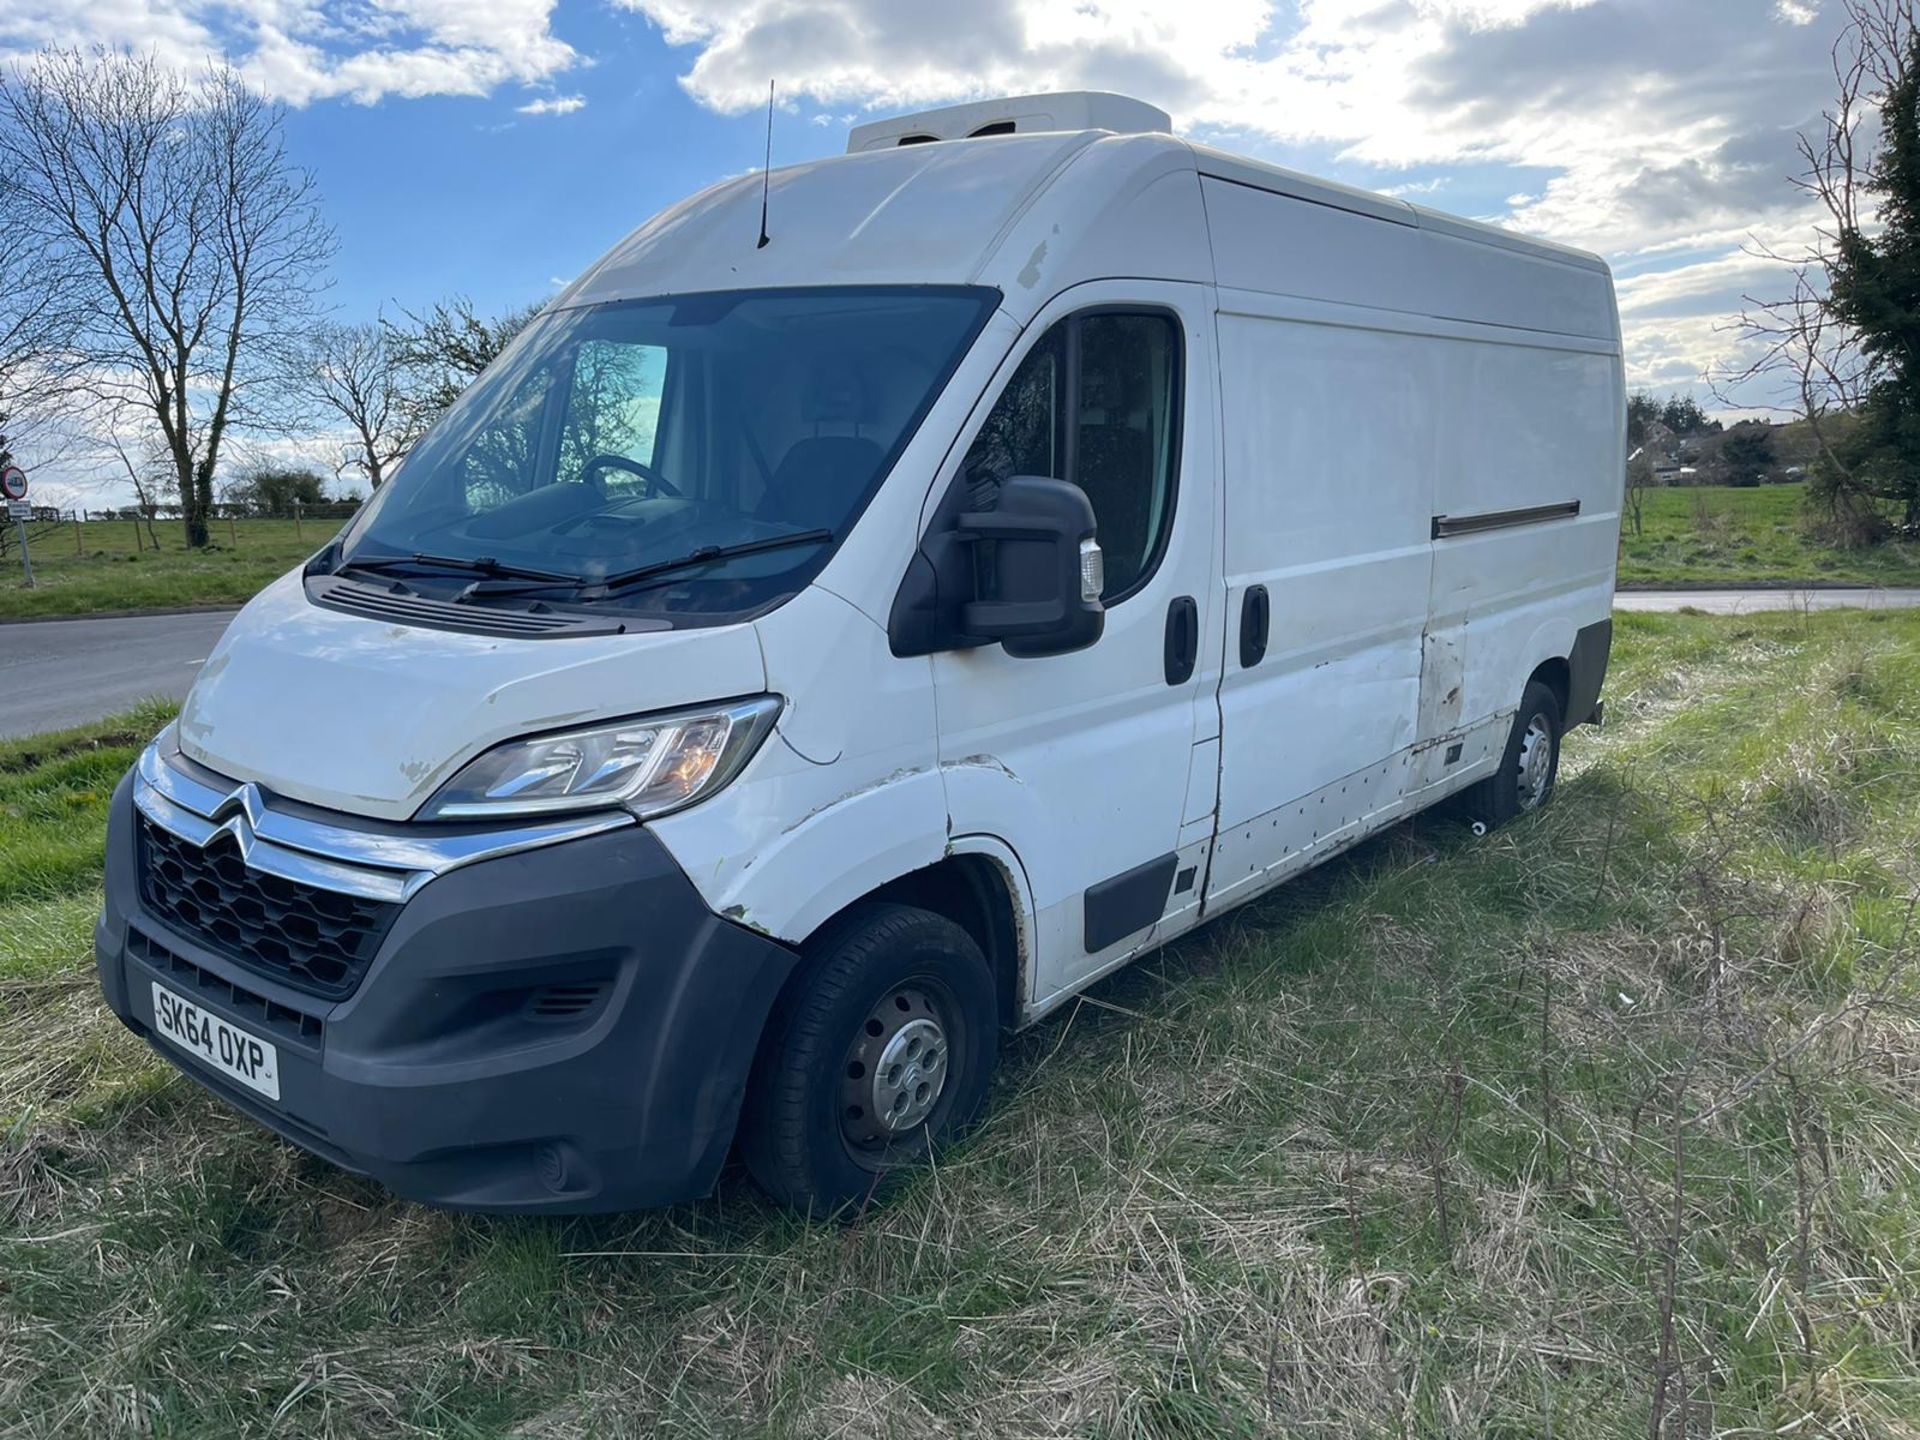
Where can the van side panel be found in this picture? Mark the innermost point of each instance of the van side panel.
(1521, 427)
(1499, 285)
(1424, 458)
(1282, 246)
(1326, 481)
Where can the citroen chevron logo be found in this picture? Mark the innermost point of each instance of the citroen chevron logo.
(236, 816)
(245, 804)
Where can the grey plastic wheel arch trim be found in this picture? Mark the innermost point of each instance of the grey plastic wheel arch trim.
(372, 864)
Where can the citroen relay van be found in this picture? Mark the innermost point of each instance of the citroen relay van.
(815, 648)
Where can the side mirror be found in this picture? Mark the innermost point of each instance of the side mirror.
(1026, 574)
(1038, 567)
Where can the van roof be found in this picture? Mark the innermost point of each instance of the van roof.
(1027, 214)
(922, 214)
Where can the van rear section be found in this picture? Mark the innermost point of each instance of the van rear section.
(795, 664)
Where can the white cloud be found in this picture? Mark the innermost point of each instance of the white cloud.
(301, 51)
(1417, 187)
(1659, 132)
(554, 105)
(1637, 128)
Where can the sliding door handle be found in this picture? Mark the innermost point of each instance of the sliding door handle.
(1256, 616)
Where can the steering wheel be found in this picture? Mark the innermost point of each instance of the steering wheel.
(657, 484)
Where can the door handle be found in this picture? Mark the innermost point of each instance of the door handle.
(1256, 615)
(1183, 639)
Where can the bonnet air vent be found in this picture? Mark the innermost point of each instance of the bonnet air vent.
(399, 608)
(1018, 115)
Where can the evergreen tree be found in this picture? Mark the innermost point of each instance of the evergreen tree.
(1875, 288)
(1642, 411)
(1747, 454)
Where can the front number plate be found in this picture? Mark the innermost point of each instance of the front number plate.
(227, 1048)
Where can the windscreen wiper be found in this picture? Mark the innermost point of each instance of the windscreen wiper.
(627, 579)
(707, 554)
(484, 564)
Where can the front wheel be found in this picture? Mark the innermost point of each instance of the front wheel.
(883, 1048)
(1528, 766)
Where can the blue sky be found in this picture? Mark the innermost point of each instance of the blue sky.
(468, 194)
(472, 194)
(495, 147)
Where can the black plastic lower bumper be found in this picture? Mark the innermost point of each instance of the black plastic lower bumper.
(567, 1029)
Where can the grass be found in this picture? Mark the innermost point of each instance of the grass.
(1723, 535)
(100, 568)
(1603, 1125)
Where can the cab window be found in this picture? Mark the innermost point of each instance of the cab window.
(1096, 402)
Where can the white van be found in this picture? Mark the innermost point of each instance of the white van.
(815, 648)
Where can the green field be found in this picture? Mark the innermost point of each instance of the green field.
(1722, 535)
(98, 568)
(1603, 1125)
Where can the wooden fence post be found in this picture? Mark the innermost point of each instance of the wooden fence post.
(76, 534)
(298, 534)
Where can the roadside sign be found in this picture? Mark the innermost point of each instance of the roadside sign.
(13, 486)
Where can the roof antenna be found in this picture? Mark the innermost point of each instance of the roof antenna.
(766, 171)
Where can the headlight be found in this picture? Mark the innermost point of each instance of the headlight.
(650, 765)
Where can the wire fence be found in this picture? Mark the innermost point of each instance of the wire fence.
(52, 531)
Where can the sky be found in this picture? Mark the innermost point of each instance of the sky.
(494, 148)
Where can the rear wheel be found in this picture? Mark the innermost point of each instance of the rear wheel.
(1528, 766)
(883, 1049)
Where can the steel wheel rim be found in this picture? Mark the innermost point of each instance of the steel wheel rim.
(896, 1070)
(1536, 762)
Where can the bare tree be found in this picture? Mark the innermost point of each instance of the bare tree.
(354, 372)
(188, 244)
(36, 322)
(1822, 366)
(148, 473)
(1640, 476)
(441, 351)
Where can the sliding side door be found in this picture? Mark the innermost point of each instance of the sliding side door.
(1328, 552)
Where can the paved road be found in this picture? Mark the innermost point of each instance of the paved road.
(1745, 602)
(58, 673)
(68, 672)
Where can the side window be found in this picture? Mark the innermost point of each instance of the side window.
(499, 461)
(1095, 402)
(613, 408)
(1025, 433)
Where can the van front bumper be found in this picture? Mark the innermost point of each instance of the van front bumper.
(564, 1029)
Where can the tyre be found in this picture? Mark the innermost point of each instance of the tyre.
(881, 1050)
(1529, 765)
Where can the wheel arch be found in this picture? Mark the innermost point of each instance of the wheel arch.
(1557, 675)
(980, 885)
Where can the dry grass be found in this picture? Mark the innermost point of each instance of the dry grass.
(1608, 1124)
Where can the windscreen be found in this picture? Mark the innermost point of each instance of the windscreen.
(699, 455)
